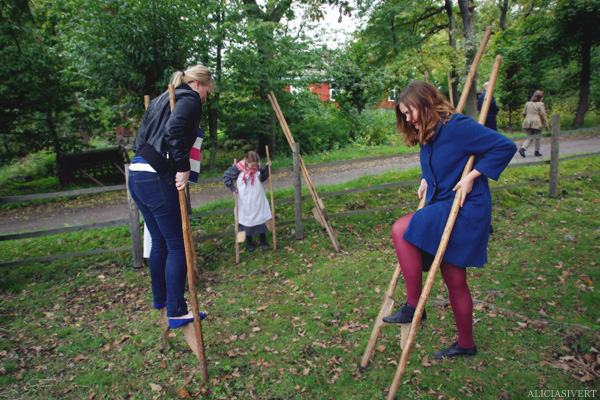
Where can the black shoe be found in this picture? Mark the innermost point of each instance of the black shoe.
(250, 246)
(264, 245)
(522, 152)
(537, 154)
(404, 315)
(456, 350)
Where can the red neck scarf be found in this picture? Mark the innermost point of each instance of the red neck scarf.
(248, 172)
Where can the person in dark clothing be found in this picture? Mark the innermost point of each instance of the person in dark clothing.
(161, 168)
(490, 119)
(447, 140)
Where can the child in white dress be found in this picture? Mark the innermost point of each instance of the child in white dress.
(253, 207)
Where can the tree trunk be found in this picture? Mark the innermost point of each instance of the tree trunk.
(584, 86)
(274, 13)
(213, 125)
(452, 43)
(52, 130)
(503, 12)
(466, 12)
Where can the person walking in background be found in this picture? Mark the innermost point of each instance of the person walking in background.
(447, 140)
(535, 120)
(490, 119)
(161, 168)
(253, 207)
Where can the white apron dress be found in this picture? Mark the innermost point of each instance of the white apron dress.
(253, 207)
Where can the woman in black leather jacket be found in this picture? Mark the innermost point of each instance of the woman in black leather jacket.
(160, 168)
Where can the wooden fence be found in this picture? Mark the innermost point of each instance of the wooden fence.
(552, 183)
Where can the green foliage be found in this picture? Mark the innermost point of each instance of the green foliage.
(34, 165)
(355, 85)
(34, 99)
(317, 125)
(131, 47)
(374, 127)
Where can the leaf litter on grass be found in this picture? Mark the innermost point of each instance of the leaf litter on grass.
(295, 322)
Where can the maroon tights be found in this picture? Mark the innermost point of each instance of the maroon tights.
(409, 257)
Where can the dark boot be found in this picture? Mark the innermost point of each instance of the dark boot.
(456, 350)
(537, 154)
(249, 243)
(522, 152)
(263, 242)
(404, 315)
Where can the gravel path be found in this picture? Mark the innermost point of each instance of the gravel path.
(56, 215)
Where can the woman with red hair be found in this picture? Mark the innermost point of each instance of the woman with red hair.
(447, 140)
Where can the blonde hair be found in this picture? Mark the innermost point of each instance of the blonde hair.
(431, 106)
(252, 159)
(196, 73)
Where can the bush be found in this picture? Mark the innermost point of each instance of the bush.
(374, 127)
(34, 165)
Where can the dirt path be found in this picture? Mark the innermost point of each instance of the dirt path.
(113, 206)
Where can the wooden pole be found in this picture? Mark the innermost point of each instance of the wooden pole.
(319, 210)
(471, 76)
(553, 190)
(443, 244)
(297, 193)
(272, 201)
(450, 87)
(386, 309)
(236, 228)
(196, 345)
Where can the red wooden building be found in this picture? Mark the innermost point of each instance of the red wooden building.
(325, 93)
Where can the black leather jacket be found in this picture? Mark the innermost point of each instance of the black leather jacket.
(165, 139)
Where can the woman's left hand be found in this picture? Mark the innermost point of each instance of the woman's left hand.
(181, 179)
(466, 185)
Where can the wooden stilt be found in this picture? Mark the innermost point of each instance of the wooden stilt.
(471, 76)
(386, 309)
(164, 324)
(319, 209)
(190, 256)
(239, 236)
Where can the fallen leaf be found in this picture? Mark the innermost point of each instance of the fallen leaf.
(425, 362)
(182, 393)
(155, 387)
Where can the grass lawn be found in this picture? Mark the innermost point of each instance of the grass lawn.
(294, 323)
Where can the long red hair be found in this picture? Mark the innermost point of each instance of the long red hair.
(432, 107)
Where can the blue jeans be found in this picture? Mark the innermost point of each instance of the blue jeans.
(159, 204)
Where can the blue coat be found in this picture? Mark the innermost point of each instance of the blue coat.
(443, 159)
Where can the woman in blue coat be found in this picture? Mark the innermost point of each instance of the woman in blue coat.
(447, 140)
